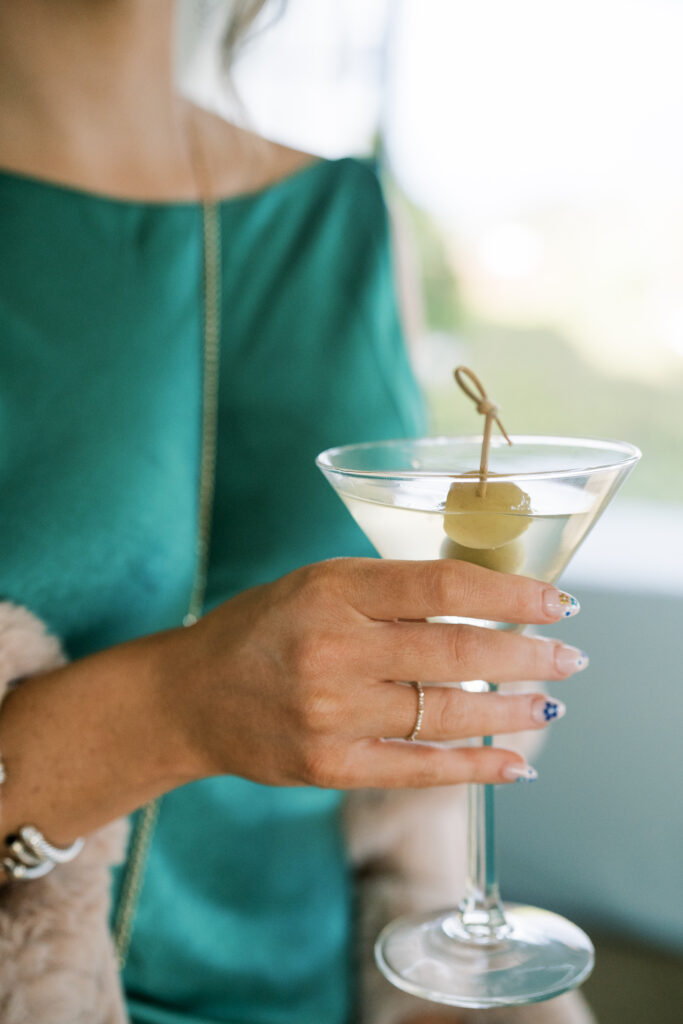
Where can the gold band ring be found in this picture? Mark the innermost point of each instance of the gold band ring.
(420, 711)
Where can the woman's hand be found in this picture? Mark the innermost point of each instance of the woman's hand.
(295, 682)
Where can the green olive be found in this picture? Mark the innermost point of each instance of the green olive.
(508, 558)
(488, 522)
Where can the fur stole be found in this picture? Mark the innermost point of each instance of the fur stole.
(57, 962)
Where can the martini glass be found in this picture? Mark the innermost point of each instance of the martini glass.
(484, 953)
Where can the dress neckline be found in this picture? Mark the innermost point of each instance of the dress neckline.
(35, 181)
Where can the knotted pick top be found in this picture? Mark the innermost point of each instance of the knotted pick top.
(489, 410)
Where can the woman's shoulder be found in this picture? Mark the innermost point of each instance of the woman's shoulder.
(241, 161)
(244, 162)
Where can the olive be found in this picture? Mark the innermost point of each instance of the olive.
(508, 558)
(488, 522)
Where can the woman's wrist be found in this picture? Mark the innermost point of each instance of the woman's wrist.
(110, 739)
(171, 681)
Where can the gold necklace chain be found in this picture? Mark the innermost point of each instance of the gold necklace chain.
(143, 829)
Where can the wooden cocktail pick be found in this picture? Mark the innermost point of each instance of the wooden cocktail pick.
(489, 410)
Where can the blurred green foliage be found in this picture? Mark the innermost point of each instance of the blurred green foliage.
(544, 387)
(541, 380)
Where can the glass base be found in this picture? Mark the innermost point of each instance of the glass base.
(541, 955)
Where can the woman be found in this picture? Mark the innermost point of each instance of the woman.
(277, 698)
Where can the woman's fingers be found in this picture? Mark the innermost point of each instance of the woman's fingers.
(297, 680)
(390, 711)
(385, 589)
(390, 765)
(439, 653)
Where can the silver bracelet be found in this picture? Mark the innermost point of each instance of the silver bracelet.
(32, 856)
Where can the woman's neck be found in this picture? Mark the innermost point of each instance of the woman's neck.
(87, 95)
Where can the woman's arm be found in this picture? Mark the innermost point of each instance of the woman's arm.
(89, 742)
(286, 684)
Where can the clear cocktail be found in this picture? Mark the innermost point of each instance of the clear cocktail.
(418, 500)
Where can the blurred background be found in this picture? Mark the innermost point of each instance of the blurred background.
(532, 154)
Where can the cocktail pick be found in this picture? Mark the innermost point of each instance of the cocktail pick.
(489, 410)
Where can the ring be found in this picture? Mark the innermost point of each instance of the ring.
(420, 711)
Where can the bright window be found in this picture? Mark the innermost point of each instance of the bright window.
(536, 156)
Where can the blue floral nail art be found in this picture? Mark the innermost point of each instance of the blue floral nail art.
(550, 710)
(547, 709)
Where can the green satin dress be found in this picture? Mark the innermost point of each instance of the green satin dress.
(246, 911)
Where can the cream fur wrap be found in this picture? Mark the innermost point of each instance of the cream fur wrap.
(57, 963)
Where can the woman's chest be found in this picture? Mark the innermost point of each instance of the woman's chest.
(99, 425)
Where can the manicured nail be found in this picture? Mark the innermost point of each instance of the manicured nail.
(570, 659)
(547, 709)
(519, 773)
(559, 604)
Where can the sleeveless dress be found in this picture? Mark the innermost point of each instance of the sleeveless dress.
(245, 914)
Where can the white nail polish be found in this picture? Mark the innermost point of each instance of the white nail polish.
(520, 773)
(570, 659)
(547, 709)
(560, 604)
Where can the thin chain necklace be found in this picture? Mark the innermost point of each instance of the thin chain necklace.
(143, 829)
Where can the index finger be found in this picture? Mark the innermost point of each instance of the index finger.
(390, 589)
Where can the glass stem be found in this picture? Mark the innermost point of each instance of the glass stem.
(481, 911)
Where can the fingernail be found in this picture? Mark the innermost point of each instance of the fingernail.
(519, 773)
(559, 604)
(570, 659)
(547, 709)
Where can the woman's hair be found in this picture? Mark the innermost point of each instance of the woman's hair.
(242, 16)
